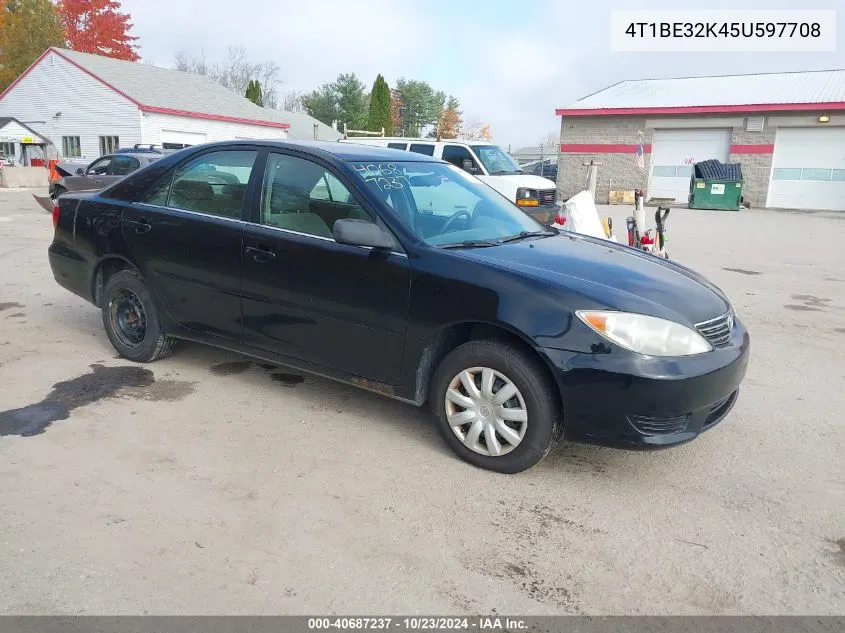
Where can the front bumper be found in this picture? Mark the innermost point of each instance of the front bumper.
(630, 401)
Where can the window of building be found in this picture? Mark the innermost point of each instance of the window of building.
(71, 146)
(822, 175)
(7, 149)
(109, 144)
(304, 197)
(423, 148)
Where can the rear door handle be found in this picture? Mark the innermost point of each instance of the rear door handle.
(141, 226)
(260, 254)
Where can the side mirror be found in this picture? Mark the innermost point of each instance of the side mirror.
(361, 233)
(80, 171)
(469, 166)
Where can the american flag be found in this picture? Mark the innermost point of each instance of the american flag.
(638, 156)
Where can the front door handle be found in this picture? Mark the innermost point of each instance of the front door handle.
(141, 226)
(260, 254)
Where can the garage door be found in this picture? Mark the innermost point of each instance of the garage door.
(177, 139)
(808, 169)
(673, 154)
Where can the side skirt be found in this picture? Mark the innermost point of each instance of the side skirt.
(391, 391)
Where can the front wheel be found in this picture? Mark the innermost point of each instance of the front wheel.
(496, 406)
(131, 320)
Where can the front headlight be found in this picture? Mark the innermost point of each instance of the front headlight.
(645, 334)
(527, 197)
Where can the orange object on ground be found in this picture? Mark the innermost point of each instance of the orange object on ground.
(54, 175)
(36, 162)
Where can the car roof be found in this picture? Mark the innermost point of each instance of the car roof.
(417, 141)
(140, 155)
(346, 152)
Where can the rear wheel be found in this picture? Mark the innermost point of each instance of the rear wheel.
(496, 406)
(131, 320)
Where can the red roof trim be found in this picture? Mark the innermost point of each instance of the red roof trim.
(25, 73)
(762, 148)
(711, 109)
(213, 117)
(141, 106)
(608, 148)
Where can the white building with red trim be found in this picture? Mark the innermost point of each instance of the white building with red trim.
(89, 105)
(787, 130)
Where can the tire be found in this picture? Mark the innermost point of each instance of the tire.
(536, 396)
(131, 320)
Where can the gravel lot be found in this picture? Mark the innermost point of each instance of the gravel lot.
(213, 485)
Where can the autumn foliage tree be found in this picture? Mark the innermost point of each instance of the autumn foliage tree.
(27, 29)
(98, 27)
(450, 119)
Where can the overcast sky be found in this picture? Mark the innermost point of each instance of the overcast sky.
(510, 62)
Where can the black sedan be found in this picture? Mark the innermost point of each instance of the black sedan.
(404, 275)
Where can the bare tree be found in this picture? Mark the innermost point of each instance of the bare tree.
(550, 140)
(292, 101)
(198, 65)
(235, 72)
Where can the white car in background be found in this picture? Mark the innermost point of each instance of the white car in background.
(487, 162)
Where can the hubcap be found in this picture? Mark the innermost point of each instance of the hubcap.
(486, 411)
(128, 317)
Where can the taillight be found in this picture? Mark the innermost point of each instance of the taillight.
(56, 215)
(560, 219)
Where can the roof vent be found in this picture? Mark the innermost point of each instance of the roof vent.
(754, 124)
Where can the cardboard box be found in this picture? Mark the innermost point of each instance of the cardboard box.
(620, 197)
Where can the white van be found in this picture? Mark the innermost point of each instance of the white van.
(487, 162)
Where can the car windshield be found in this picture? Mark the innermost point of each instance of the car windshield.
(444, 206)
(496, 160)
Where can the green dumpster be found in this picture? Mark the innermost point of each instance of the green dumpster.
(716, 185)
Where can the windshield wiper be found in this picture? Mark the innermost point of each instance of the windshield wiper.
(471, 244)
(526, 234)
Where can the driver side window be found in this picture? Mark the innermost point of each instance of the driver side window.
(304, 197)
(99, 167)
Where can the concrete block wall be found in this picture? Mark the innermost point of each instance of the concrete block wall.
(756, 161)
(24, 177)
(618, 169)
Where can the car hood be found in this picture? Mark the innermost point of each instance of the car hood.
(611, 275)
(529, 181)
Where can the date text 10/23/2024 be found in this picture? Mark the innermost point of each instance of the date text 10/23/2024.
(419, 623)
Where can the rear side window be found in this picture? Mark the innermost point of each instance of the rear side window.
(403, 146)
(213, 183)
(423, 148)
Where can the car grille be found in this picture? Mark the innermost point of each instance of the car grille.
(658, 426)
(717, 331)
(547, 196)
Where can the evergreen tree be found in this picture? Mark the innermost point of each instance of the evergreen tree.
(380, 108)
